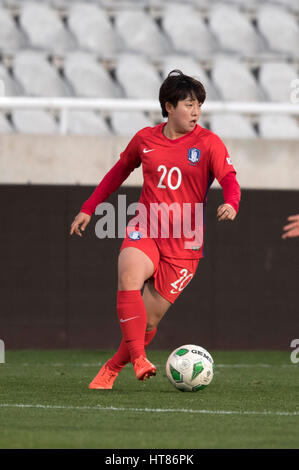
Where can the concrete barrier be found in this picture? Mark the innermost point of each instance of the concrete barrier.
(84, 160)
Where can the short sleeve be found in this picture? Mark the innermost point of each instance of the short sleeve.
(220, 161)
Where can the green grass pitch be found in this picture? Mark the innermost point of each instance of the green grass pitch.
(45, 402)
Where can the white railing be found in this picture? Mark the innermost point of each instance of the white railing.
(63, 105)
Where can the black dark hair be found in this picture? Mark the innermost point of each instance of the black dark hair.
(177, 87)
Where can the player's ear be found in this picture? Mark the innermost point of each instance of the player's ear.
(169, 107)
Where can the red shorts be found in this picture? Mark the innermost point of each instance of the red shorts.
(171, 275)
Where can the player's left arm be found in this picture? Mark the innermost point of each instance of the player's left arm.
(222, 167)
(291, 230)
(232, 195)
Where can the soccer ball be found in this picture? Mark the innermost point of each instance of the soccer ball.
(190, 368)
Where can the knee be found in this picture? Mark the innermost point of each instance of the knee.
(129, 280)
(152, 323)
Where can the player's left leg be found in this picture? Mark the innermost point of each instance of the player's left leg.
(156, 305)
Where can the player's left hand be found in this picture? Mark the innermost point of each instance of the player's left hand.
(292, 228)
(226, 212)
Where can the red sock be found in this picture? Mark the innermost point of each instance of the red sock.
(132, 318)
(149, 336)
(122, 356)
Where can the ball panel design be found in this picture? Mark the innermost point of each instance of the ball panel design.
(190, 368)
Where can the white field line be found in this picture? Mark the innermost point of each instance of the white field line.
(99, 364)
(149, 410)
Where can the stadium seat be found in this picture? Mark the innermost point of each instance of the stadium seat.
(248, 4)
(187, 31)
(234, 80)
(92, 28)
(276, 78)
(37, 76)
(5, 126)
(88, 77)
(34, 122)
(190, 66)
(234, 31)
(293, 5)
(11, 87)
(280, 29)
(138, 77)
(86, 123)
(127, 123)
(44, 28)
(140, 33)
(278, 127)
(229, 126)
(11, 37)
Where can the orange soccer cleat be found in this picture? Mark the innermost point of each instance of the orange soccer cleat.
(104, 379)
(144, 368)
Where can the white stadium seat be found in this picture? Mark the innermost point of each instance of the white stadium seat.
(5, 126)
(188, 31)
(127, 123)
(11, 87)
(278, 127)
(234, 80)
(11, 37)
(138, 77)
(88, 77)
(190, 66)
(234, 31)
(248, 4)
(276, 79)
(241, 50)
(140, 33)
(291, 4)
(37, 76)
(44, 28)
(231, 126)
(34, 122)
(280, 29)
(86, 123)
(92, 28)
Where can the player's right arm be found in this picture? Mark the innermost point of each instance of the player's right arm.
(79, 224)
(129, 160)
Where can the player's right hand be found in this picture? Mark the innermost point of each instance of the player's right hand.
(79, 224)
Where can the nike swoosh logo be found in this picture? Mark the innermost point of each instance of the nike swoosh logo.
(127, 319)
(146, 151)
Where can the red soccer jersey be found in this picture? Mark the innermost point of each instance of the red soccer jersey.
(177, 171)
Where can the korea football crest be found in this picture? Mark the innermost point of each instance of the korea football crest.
(193, 156)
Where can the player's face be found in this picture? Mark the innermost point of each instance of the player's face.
(185, 115)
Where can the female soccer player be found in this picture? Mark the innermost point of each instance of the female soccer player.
(180, 160)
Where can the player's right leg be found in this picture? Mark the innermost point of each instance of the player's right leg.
(134, 267)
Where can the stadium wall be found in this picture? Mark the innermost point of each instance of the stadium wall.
(86, 159)
(58, 291)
